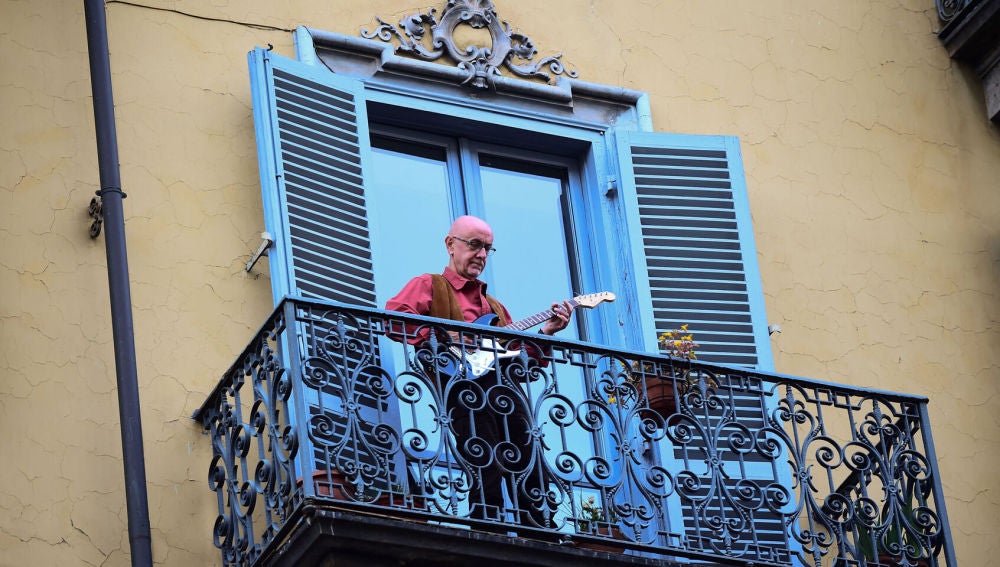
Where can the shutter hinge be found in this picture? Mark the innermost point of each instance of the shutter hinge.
(612, 190)
(268, 241)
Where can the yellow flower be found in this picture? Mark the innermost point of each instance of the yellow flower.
(678, 343)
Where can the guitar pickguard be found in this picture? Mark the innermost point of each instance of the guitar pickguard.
(481, 360)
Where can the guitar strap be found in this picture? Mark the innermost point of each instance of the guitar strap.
(444, 302)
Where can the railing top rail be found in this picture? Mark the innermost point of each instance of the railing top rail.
(599, 349)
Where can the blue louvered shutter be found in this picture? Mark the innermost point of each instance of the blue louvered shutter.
(689, 222)
(687, 205)
(312, 132)
(312, 140)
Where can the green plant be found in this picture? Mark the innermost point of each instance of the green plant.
(589, 510)
(871, 546)
(399, 489)
(592, 512)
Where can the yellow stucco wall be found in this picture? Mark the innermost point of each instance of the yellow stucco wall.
(874, 182)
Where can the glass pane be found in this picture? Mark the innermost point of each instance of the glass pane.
(411, 215)
(530, 270)
(531, 267)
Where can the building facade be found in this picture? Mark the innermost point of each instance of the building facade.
(870, 174)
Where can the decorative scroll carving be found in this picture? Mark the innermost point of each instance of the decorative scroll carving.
(948, 9)
(482, 63)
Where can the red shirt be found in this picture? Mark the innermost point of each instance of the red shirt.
(415, 297)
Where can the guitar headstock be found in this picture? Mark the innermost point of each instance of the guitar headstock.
(592, 300)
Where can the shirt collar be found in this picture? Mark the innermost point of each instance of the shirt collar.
(458, 282)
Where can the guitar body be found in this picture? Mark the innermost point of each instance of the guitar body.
(480, 360)
(488, 320)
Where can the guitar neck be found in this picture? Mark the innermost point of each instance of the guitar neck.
(541, 317)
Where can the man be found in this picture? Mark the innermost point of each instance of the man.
(490, 420)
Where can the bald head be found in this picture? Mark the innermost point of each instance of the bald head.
(465, 261)
(467, 223)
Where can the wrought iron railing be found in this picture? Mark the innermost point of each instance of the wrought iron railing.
(364, 410)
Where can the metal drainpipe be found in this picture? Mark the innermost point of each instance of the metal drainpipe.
(121, 299)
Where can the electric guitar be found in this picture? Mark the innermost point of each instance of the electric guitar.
(479, 360)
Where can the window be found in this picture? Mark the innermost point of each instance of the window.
(419, 183)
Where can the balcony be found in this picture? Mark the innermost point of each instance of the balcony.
(334, 444)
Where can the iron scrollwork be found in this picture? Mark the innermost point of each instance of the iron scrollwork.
(482, 63)
(879, 509)
(345, 427)
(741, 465)
(482, 432)
(253, 448)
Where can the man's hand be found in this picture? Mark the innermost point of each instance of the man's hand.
(466, 339)
(561, 314)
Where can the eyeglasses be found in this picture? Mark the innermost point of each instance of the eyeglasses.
(476, 245)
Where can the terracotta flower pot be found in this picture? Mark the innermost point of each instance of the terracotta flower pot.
(886, 559)
(611, 533)
(661, 396)
(330, 484)
(334, 484)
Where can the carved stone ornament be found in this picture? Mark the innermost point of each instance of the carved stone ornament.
(482, 63)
